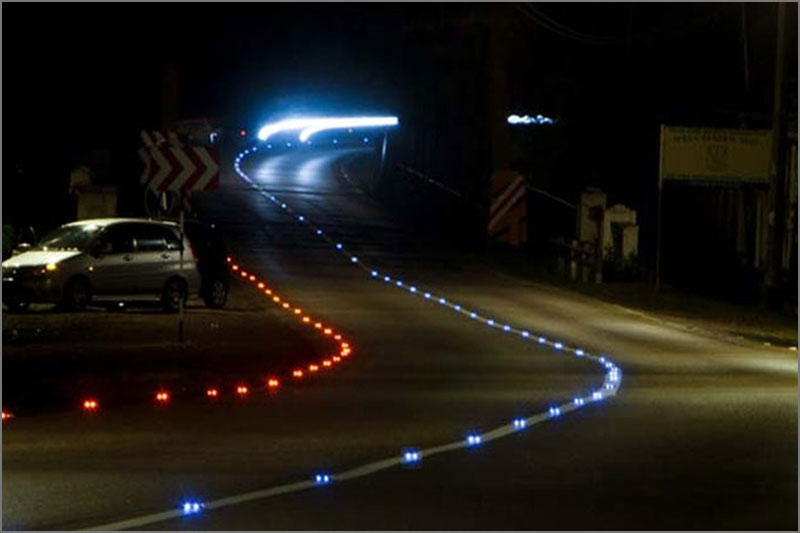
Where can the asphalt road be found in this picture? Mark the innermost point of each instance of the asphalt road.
(702, 435)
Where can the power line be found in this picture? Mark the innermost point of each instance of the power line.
(572, 31)
(564, 31)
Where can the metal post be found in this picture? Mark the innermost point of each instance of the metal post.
(658, 210)
(598, 258)
(180, 269)
(383, 154)
(745, 54)
(776, 193)
(377, 175)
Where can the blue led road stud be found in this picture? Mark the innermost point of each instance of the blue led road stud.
(322, 479)
(473, 439)
(411, 457)
(191, 507)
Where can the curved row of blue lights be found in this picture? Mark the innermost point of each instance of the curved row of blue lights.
(413, 456)
(289, 144)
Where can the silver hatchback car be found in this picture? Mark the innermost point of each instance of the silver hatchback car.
(104, 260)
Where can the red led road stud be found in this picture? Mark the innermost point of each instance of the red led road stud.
(235, 267)
(162, 396)
(336, 358)
(252, 278)
(328, 331)
(7, 415)
(306, 319)
(318, 325)
(297, 373)
(90, 404)
(297, 311)
(313, 368)
(337, 337)
(242, 390)
(212, 393)
(326, 363)
(276, 299)
(286, 305)
(260, 285)
(228, 259)
(345, 345)
(273, 383)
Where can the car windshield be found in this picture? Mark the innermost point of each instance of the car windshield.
(69, 237)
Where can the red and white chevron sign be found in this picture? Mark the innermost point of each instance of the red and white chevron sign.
(171, 165)
(508, 210)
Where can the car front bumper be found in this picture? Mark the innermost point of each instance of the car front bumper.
(44, 290)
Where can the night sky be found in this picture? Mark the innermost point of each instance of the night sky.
(82, 80)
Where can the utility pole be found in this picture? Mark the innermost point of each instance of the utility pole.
(170, 96)
(771, 296)
(499, 28)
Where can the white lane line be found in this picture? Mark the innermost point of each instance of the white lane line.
(353, 473)
(609, 388)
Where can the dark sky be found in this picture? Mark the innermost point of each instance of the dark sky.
(89, 76)
(94, 66)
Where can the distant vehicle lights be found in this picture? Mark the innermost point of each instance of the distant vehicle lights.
(525, 120)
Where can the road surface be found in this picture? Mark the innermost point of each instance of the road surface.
(702, 435)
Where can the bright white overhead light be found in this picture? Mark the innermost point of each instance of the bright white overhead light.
(311, 125)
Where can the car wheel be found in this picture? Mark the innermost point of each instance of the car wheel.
(17, 306)
(77, 294)
(174, 293)
(216, 294)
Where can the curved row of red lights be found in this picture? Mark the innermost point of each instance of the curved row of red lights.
(272, 383)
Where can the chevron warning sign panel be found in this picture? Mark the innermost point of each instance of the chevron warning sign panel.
(508, 208)
(173, 165)
(170, 164)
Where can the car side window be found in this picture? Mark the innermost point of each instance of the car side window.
(154, 238)
(149, 238)
(118, 239)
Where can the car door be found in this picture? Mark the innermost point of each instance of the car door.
(157, 254)
(113, 269)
